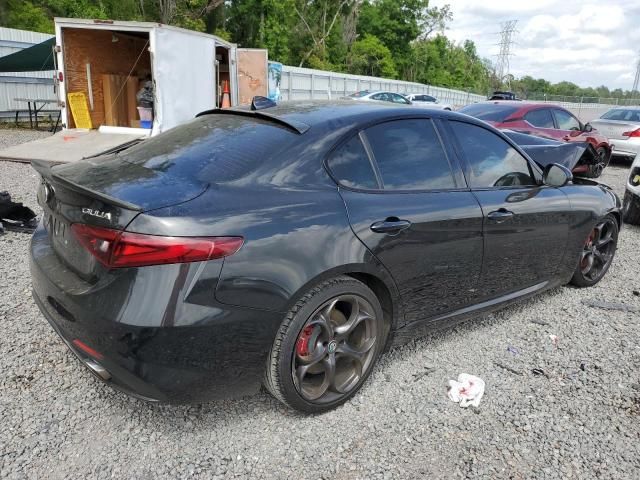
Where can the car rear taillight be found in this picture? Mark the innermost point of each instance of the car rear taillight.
(117, 249)
(633, 133)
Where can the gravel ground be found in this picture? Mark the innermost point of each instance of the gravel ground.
(580, 420)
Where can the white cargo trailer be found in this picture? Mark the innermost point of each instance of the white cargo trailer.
(187, 69)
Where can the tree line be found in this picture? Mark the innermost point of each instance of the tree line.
(400, 39)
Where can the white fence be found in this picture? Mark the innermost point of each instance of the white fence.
(306, 83)
(296, 83)
(35, 85)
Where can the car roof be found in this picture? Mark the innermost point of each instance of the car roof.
(330, 114)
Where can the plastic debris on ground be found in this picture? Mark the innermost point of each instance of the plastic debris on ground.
(554, 340)
(15, 216)
(467, 390)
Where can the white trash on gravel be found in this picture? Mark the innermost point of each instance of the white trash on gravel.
(467, 391)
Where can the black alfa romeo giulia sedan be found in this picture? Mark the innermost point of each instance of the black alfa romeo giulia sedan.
(289, 246)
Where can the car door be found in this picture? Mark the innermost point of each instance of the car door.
(567, 125)
(407, 202)
(526, 225)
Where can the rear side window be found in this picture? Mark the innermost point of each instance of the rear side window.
(540, 118)
(409, 155)
(489, 112)
(492, 161)
(350, 165)
(621, 114)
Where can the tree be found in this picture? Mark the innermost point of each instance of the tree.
(396, 23)
(369, 56)
(319, 19)
(435, 19)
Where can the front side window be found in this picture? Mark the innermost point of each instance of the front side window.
(492, 161)
(540, 118)
(350, 165)
(566, 121)
(380, 96)
(395, 98)
(410, 156)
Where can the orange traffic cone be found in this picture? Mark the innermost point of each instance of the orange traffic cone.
(226, 98)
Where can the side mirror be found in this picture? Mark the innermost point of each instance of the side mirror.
(556, 175)
(587, 128)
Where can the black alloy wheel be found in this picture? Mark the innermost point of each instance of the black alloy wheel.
(596, 169)
(327, 346)
(334, 348)
(597, 253)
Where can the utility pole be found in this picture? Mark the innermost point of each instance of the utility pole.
(506, 41)
(634, 90)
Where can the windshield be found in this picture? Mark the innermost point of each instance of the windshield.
(489, 112)
(361, 94)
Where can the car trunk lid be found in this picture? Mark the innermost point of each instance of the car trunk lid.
(103, 192)
(614, 129)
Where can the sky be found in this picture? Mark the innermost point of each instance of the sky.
(585, 42)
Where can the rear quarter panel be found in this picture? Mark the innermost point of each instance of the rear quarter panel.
(294, 238)
(590, 201)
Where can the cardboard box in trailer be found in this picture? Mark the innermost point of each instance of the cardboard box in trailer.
(103, 64)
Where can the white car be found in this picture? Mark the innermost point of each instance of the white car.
(631, 202)
(379, 96)
(621, 125)
(428, 101)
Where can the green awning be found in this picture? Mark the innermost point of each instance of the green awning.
(33, 59)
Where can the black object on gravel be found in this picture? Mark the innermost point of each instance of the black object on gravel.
(15, 216)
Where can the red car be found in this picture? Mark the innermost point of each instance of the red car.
(543, 120)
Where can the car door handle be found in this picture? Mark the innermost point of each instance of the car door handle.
(390, 225)
(500, 215)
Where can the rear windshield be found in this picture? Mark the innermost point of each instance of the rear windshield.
(622, 114)
(212, 148)
(489, 112)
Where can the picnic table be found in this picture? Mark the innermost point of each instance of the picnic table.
(32, 106)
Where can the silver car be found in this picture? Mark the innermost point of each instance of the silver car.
(379, 96)
(622, 127)
(428, 101)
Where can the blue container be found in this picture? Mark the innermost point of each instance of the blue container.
(146, 123)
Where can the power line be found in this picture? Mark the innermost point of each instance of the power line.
(506, 41)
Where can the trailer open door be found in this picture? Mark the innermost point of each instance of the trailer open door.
(252, 74)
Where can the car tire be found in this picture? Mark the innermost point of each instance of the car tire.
(631, 208)
(594, 171)
(317, 327)
(597, 253)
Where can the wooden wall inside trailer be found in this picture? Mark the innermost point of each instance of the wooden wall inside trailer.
(96, 47)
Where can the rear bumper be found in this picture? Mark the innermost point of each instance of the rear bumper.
(625, 148)
(208, 351)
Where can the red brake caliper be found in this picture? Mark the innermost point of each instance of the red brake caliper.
(587, 244)
(302, 346)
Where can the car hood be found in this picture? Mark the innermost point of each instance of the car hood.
(544, 151)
